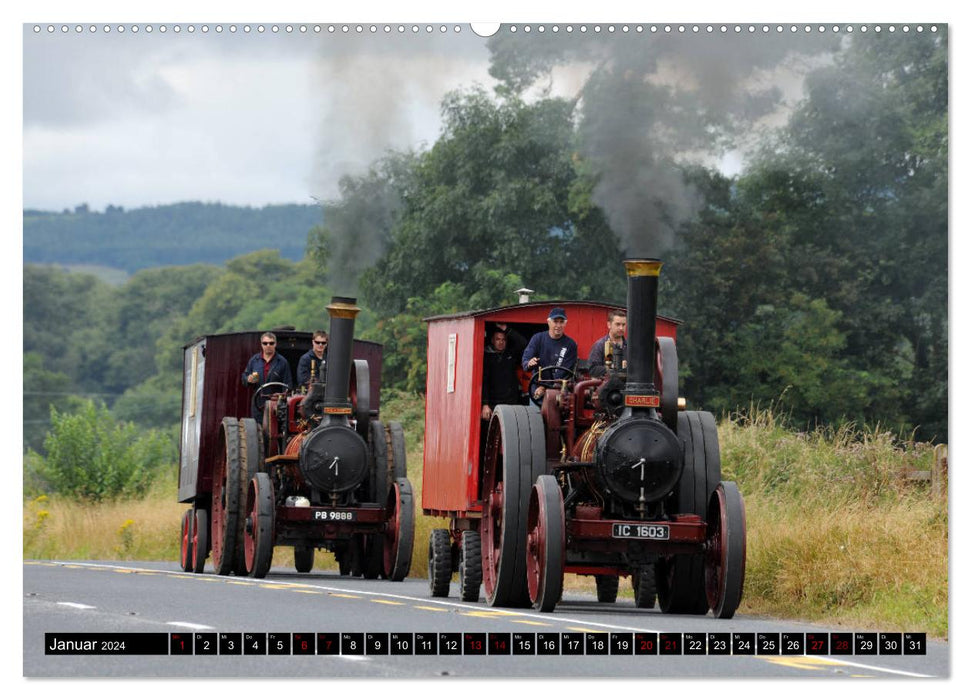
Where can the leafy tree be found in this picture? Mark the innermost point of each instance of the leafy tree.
(493, 194)
(858, 182)
(56, 304)
(93, 458)
(793, 357)
(155, 403)
(42, 388)
(150, 302)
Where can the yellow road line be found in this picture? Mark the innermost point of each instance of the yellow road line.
(804, 663)
(385, 602)
(344, 595)
(532, 622)
(428, 607)
(583, 629)
(487, 613)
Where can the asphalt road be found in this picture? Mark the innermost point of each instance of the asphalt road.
(134, 597)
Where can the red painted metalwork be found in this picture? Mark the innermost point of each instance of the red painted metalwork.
(453, 426)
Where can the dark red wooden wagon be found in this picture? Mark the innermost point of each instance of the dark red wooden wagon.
(320, 471)
(609, 476)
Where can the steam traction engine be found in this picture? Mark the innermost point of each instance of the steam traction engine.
(608, 477)
(320, 471)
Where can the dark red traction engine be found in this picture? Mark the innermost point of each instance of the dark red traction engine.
(609, 477)
(319, 472)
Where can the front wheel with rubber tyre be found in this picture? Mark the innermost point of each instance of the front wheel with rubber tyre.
(439, 562)
(470, 566)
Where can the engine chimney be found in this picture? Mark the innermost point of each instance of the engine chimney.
(640, 395)
(343, 311)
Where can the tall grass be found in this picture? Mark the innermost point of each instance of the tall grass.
(145, 528)
(835, 533)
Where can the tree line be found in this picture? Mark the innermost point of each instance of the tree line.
(171, 234)
(814, 281)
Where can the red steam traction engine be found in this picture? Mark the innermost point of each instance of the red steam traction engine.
(609, 477)
(321, 471)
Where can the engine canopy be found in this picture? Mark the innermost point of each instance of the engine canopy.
(639, 459)
(333, 458)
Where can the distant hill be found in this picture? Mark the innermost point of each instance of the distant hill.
(172, 234)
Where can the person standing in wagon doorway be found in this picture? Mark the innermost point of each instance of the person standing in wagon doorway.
(551, 348)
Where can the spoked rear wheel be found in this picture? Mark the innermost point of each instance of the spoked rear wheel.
(227, 494)
(200, 539)
(250, 461)
(378, 481)
(185, 542)
(725, 550)
(681, 577)
(399, 537)
(545, 544)
(397, 457)
(258, 530)
(515, 456)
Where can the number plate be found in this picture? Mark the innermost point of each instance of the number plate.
(633, 531)
(334, 516)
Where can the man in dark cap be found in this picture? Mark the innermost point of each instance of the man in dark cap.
(552, 348)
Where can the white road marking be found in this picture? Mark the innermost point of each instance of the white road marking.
(190, 625)
(873, 668)
(79, 606)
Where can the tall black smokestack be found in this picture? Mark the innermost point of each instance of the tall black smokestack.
(343, 311)
(640, 394)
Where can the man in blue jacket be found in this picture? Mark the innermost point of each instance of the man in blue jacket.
(552, 348)
(264, 367)
(313, 363)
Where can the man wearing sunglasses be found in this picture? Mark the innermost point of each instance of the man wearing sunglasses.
(313, 363)
(264, 367)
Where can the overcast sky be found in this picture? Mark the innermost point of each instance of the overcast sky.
(141, 118)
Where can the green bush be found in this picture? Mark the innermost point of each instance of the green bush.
(92, 457)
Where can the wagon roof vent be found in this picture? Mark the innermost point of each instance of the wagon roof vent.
(524, 293)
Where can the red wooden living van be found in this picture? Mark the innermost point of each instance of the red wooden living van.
(453, 399)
